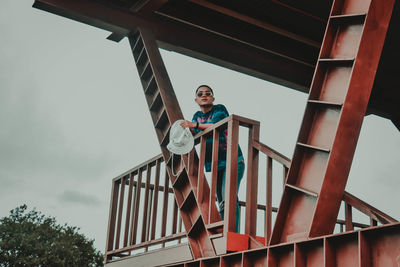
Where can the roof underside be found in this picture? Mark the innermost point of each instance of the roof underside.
(276, 40)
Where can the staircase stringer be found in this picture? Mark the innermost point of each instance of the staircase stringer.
(164, 110)
(337, 102)
(376, 23)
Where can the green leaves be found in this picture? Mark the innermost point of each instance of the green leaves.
(28, 238)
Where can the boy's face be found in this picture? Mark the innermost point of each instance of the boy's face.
(204, 96)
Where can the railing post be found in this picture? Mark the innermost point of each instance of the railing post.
(252, 182)
(200, 176)
(136, 208)
(112, 216)
(213, 216)
(165, 207)
(146, 202)
(231, 176)
(348, 217)
(285, 173)
(268, 203)
(120, 208)
(128, 210)
(133, 209)
(155, 202)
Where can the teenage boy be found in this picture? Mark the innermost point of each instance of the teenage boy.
(208, 115)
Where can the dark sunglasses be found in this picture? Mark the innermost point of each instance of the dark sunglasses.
(207, 93)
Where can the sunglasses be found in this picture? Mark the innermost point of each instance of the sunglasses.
(207, 93)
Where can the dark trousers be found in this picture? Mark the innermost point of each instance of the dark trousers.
(221, 192)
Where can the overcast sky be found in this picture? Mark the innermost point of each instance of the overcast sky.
(73, 116)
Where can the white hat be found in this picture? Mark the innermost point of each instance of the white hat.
(181, 140)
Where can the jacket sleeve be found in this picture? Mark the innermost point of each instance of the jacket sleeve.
(194, 119)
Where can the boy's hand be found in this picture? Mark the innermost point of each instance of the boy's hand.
(188, 124)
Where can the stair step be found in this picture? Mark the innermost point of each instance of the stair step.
(181, 179)
(343, 18)
(136, 47)
(162, 121)
(336, 60)
(156, 114)
(313, 147)
(183, 188)
(151, 86)
(212, 227)
(299, 189)
(146, 72)
(325, 103)
(188, 202)
(196, 227)
(142, 58)
(165, 139)
(156, 103)
(214, 236)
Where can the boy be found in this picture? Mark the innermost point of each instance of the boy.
(208, 115)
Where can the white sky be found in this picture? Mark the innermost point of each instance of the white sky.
(73, 116)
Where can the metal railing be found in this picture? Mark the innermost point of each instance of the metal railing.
(143, 212)
(146, 216)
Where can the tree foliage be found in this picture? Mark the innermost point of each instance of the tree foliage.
(32, 239)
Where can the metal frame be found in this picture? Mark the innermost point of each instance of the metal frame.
(315, 182)
(222, 239)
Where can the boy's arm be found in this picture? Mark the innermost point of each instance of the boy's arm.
(195, 127)
(192, 125)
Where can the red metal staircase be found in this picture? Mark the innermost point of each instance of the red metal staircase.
(164, 109)
(334, 113)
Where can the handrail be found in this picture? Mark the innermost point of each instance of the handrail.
(367, 209)
(285, 161)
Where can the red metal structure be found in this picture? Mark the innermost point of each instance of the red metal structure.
(349, 45)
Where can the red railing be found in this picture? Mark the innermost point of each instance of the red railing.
(146, 216)
(142, 217)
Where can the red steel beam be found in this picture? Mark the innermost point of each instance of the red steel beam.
(337, 103)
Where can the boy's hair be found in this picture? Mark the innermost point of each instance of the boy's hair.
(204, 85)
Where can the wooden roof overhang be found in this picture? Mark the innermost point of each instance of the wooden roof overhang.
(275, 40)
